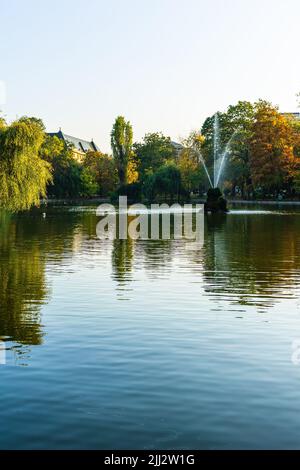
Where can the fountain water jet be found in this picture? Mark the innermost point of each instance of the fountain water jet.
(215, 201)
(223, 157)
(205, 167)
(216, 145)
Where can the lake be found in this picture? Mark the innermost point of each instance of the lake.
(123, 344)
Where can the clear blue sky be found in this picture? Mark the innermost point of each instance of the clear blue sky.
(163, 64)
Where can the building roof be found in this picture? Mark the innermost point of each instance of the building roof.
(178, 147)
(80, 144)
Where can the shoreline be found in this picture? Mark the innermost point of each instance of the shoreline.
(101, 200)
(266, 202)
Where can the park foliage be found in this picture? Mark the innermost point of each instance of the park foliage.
(262, 161)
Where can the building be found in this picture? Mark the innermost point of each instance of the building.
(177, 147)
(80, 146)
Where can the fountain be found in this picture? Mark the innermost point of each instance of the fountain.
(215, 201)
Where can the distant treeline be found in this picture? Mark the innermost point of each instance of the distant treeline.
(262, 160)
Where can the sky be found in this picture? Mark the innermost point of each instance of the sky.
(164, 64)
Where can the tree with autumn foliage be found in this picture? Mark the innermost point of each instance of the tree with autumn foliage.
(272, 146)
(191, 170)
(132, 173)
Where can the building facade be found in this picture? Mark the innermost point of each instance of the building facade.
(79, 146)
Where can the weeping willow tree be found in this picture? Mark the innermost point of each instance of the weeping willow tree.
(24, 175)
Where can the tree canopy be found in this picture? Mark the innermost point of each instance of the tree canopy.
(261, 145)
(154, 150)
(121, 144)
(272, 148)
(24, 175)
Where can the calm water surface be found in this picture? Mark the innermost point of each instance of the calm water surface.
(144, 344)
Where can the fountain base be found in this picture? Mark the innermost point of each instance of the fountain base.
(215, 201)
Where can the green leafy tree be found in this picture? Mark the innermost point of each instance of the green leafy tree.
(104, 169)
(121, 143)
(52, 147)
(70, 178)
(66, 171)
(238, 127)
(190, 163)
(191, 170)
(154, 151)
(166, 183)
(24, 175)
(234, 132)
(88, 184)
(2, 123)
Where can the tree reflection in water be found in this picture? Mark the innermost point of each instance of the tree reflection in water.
(247, 259)
(22, 284)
